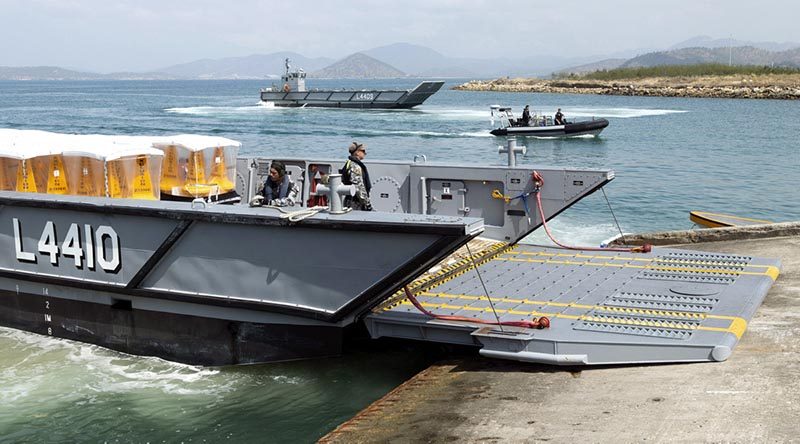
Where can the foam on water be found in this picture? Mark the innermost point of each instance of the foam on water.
(221, 110)
(571, 232)
(100, 370)
(619, 113)
(424, 133)
(456, 114)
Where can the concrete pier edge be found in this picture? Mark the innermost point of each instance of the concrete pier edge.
(682, 237)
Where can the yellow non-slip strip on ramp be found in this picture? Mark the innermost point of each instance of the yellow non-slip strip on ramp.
(456, 264)
(669, 305)
(725, 268)
(435, 302)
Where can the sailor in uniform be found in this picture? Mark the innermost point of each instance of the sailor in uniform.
(526, 116)
(559, 120)
(355, 173)
(279, 190)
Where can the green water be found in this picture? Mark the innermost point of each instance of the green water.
(60, 391)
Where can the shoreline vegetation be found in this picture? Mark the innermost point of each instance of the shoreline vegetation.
(709, 81)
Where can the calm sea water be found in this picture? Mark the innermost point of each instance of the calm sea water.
(670, 156)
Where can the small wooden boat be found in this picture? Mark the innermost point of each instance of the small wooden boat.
(715, 220)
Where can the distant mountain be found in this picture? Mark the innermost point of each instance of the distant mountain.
(743, 55)
(405, 59)
(44, 73)
(358, 66)
(705, 41)
(56, 73)
(250, 67)
(420, 61)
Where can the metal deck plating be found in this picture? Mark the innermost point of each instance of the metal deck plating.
(669, 305)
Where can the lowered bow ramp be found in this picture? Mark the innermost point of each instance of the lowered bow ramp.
(669, 305)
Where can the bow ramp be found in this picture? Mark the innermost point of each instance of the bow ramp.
(668, 305)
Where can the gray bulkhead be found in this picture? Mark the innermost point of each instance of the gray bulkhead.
(447, 190)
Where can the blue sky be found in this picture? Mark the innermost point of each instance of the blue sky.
(109, 35)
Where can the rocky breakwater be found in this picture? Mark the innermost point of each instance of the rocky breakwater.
(733, 87)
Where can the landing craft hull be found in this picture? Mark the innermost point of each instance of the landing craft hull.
(213, 286)
(589, 127)
(355, 99)
(211, 339)
(231, 284)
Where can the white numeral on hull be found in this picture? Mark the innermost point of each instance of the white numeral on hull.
(101, 249)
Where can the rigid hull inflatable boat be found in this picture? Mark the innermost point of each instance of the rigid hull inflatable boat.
(293, 93)
(214, 284)
(542, 126)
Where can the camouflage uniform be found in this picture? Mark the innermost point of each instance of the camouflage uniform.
(272, 192)
(361, 200)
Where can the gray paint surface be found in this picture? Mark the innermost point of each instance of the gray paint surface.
(604, 307)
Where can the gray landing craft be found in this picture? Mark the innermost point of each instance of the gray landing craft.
(231, 284)
(293, 93)
(542, 125)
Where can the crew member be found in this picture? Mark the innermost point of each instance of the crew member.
(355, 173)
(279, 190)
(559, 120)
(526, 116)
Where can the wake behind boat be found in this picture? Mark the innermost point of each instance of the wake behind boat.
(541, 125)
(293, 93)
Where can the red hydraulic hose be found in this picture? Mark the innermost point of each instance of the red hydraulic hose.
(537, 178)
(539, 323)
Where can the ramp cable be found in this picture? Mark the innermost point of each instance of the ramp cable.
(646, 248)
(485, 290)
(538, 182)
(621, 235)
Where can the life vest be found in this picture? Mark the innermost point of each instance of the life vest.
(345, 172)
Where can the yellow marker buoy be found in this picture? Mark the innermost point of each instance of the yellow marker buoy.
(142, 182)
(196, 184)
(25, 179)
(116, 179)
(88, 179)
(171, 177)
(219, 173)
(57, 178)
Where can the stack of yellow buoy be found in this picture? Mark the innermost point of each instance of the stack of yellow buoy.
(197, 166)
(83, 165)
(133, 171)
(131, 167)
